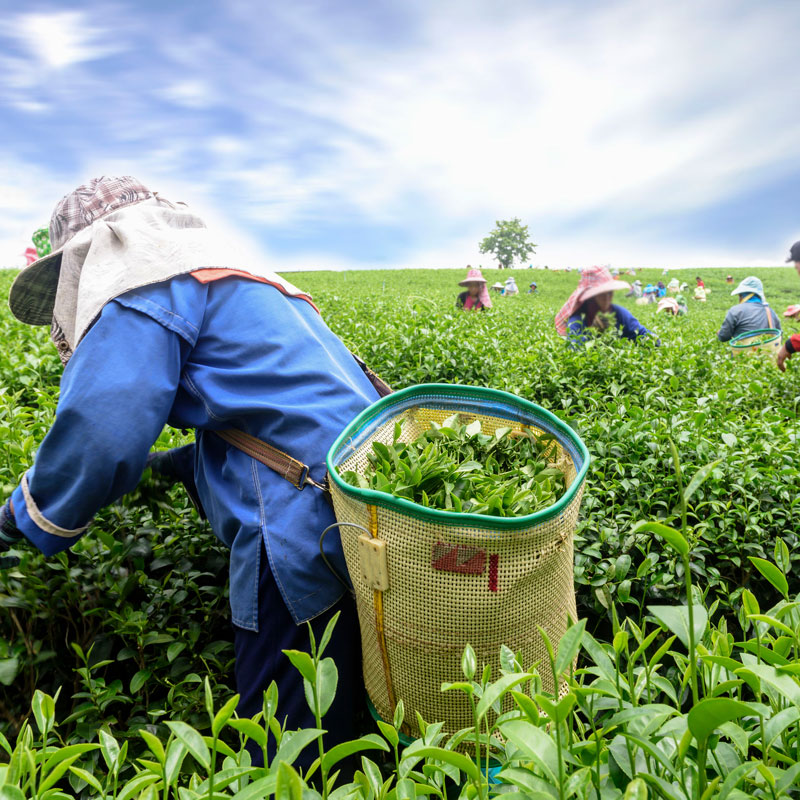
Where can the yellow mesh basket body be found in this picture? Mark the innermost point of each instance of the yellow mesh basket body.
(763, 340)
(453, 578)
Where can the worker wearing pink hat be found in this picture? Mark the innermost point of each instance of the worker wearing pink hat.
(590, 306)
(477, 295)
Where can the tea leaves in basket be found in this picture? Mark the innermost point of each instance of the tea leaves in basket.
(456, 467)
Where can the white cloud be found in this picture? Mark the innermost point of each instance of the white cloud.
(629, 111)
(30, 106)
(188, 93)
(546, 116)
(226, 145)
(62, 38)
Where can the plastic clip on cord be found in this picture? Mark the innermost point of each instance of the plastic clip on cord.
(372, 551)
(9, 536)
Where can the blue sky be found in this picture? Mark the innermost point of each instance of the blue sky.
(355, 134)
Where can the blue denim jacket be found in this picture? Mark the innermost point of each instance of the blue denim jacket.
(626, 325)
(231, 353)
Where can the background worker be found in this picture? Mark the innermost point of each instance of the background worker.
(148, 341)
(476, 298)
(700, 293)
(590, 307)
(636, 289)
(751, 314)
(510, 288)
(788, 349)
(792, 344)
(674, 306)
(794, 256)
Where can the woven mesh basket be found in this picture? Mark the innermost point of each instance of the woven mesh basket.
(453, 578)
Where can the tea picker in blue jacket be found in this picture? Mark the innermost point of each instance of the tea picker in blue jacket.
(152, 331)
(590, 307)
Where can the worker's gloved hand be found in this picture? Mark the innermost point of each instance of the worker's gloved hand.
(178, 465)
(10, 536)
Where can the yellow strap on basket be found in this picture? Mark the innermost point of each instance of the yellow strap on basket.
(377, 597)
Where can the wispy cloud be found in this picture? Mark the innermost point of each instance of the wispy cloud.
(189, 93)
(59, 39)
(397, 133)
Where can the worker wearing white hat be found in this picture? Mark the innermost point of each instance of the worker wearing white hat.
(751, 314)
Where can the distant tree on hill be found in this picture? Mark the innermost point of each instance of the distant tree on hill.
(508, 242)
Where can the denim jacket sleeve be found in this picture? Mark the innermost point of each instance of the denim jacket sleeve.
(116, 394)
(630, 327)
(725, 333)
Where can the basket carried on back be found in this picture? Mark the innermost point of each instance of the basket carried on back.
(427, 582)
(764, 339)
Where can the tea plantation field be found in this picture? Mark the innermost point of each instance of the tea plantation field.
(624, 400)
(131, 622)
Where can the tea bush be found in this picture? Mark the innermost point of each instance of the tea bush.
(131, 622)
(695, 715)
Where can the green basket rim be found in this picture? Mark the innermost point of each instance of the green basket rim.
(749, 334)
(453, 519)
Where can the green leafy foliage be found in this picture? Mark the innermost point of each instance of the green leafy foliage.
(456, 467)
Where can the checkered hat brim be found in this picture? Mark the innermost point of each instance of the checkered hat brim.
(33, 293)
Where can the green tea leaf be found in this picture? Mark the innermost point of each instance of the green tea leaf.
(494, 691)
(303, 663)
(568, 646)
(223, 715)
(670, 535)
(712, 712)
(676, 620)
(535, 744)
(192, 740)
(772, 574)
(369, 742)
(699, 478)
(459, 761)
(327, 681)
(294, 742)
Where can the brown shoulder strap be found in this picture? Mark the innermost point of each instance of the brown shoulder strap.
(292, 470)
(769, 317)
(380, 386)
